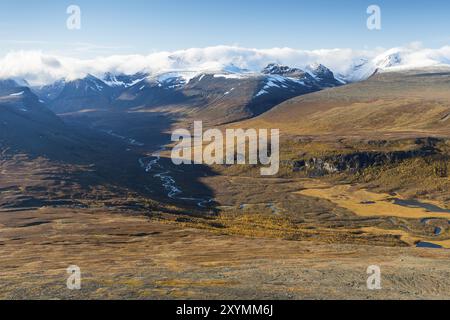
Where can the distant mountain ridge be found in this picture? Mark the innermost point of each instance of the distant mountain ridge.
(123, 80)
(87, 93)
(348, 65)
(229, 95)
(27, 125)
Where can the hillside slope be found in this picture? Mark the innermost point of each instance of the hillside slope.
(411, 103)
(27, 125)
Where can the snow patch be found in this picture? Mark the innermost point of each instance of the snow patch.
(261, 93)
(17, 94)
(276, 81)
(228, 92)
(229, 76)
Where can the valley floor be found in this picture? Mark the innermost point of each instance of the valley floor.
(133, 257)
(118, 216)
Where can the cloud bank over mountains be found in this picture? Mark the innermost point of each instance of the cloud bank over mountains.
(40, 68)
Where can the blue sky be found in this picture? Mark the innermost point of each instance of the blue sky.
(144, 26)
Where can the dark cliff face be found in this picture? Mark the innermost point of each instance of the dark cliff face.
(357, 161)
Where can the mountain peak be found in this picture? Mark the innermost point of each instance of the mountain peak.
(323, 75)
(91, 78)
(88, 83)
(318, 69)
(13, 83)
(278, 69)
(390, 60)
(123, 80)
(283, 70)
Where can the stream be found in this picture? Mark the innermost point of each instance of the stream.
(152, 165)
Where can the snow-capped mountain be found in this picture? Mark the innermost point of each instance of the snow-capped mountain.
(394, 60)
(87, 93)
(88, 85)
(360, 69)
(346, 64)
(163, 89)
(171, 80)
(50, 92)
(324, 76)
(288, 72)
(388, 61)
(18, 102)
(224, 94)
(28, 126)
(316, 75)
(12, 83)
(233, 93)
(122, 80)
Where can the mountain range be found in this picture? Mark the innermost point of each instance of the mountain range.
(228, 95)
(206, 87)
(27, 125)
(286, 97)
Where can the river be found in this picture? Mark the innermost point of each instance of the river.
(153, 165)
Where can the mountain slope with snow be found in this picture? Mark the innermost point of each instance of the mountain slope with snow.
(224, 95)
(231, 88)
(28, 126)
(228, 95)
(123, 80)
(87, 93)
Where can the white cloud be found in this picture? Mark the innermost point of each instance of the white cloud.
(38, 67)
